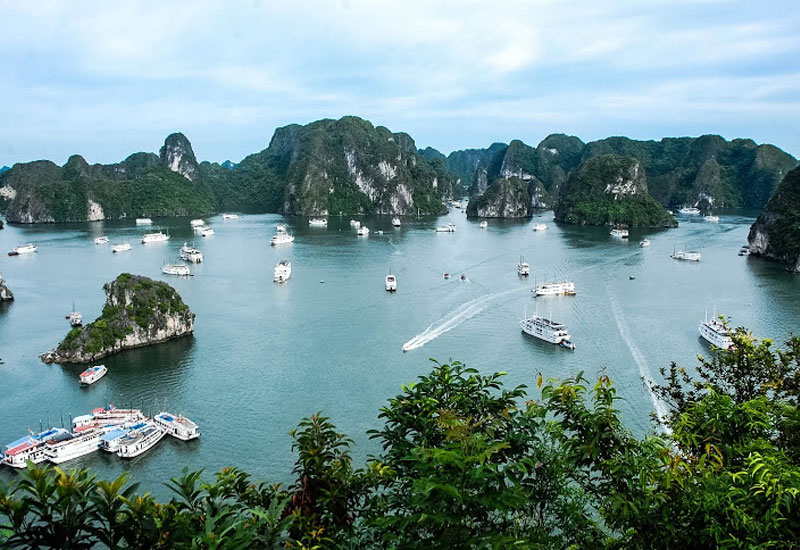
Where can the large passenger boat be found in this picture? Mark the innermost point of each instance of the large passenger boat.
(137, 442)
(177, 426)
(547, 330)
(559, 288)
(716, 333)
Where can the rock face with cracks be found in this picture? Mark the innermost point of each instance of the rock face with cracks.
(775, 235)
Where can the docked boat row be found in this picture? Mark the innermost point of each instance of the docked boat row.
(126, 432)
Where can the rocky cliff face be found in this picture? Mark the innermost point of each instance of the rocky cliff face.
(138, 312)
(5, 294)
(177, 155)
(775, 235)
(510, 197)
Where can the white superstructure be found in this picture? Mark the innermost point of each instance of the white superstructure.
(191, 254)
(30, 447)
(716, 333)
(107, 415)
(711, 218)
(73, 445)
(177, 426)
(281, 238)
(75, 319)
(230, 216)
(687, 255)
(644, 242)
(206, 232)
(484, 224)
(176, 269)
(547, 330)
(355, 223)
(396, 221)
(619, 232)
(197, 222)
(158, 237)
(283, 271)
(557, 288)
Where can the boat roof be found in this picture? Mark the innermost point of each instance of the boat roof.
(113, 434)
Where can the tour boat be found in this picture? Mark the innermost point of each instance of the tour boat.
(391, 283)
(137, 442)
(354, 223)
(69, 446)
(523, 268)
(318, 222)
(449, 228)
(197, 222)
(716, 333)
(560, 288)
(124, 247)
(106, 416)
(155, 237)
(101, 240)
(282, 271)
(281, 238)
(177, 426)
(644, 242)
(144, 221)
(93, 374)
(396, 221)
(539, 227)
(685, 255)
(190, 254)
(620, 232)
(230, 216)
(689, 210)
(75, 318)
(29, 448)
(362, 231)
(207, 232)
(110, 441)
(24, 249)
(711, 218)
(547, 330)
(176, 269)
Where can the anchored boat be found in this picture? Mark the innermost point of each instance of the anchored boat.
(155, 237)
(92, 374)
(191, 254)
(177, 426)
(547, 330)
(559, 288)
(24, 249)
(124, 247)
(101, 240)
(176, 269)
(391, 283)
(283, 271)
(137, 442)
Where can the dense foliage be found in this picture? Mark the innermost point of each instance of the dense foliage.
(467, 463)
(781, 221)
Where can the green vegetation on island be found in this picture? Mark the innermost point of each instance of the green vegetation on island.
(467, 463)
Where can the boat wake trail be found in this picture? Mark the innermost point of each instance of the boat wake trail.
(454, 318)
(638, 356)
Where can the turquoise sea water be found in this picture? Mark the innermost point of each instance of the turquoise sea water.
(264, 355)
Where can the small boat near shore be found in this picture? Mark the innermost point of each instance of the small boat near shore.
(689, 210)
(206, 232)
(177, 426)
(176, 269)
(281, 238)
(396, 222)
(75, 319)
(484, 224)
(101, 240)
(644, 242)
(282, 271)
(24, 249)
(197, 222)
(363, 231)
(620, 232)
(318, 222)
(92, 374)
(230, 216)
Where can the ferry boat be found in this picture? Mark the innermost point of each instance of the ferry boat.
(177, 426)
(191, 254)
(560, 288)
(124, 247)
(207, 232)
(69, 446)
(92, 374)
(155, 237)
(687, 255)
(137, 442)
(449, 228)
(484, 224)
(620, 232)
(144, 221)
(362, 231)
(396, 222)
(197, 222)
(547, 330)
(318, 222)
(176, 269)
(282, 271)
(230, 216)
(689, 210)
(391, 283)
(29, 448)
(101, 240)
(644, 242)
(354, 223)
(716, 333)
(711, 218)
(110, 441)
(281, 238)
(106, 416)
(523, 268)
(539, 227)
(24, 249)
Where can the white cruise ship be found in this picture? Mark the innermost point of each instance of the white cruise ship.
(559, 288)
(362, 231)
(30, 447)
(24, 249)
(197, 222)
(177, 426)
(137, 442)
(686, 255)
(122, 247)
(191, 254)
(73, 445)
(449, 228)
(176, 269)
(547, 330)
(620, 232)
(155, 237)
(689, 210)
(396, 222)
(318, 222)
(281, 238)
(101, 240)
(283, 271)
(539, 227)
(391, 283)
(230, 216)
(523, 268)
(144, 221)
(92, 374)
(716, 333)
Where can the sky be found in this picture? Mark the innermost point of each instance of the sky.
(106, 79)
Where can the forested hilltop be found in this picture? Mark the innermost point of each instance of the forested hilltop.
(467, 463)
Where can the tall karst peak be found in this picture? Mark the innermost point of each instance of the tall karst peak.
(177, 155)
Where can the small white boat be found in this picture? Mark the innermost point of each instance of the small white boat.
(391, 283)
(24, 249)
(230, 216)
(282, 271)
(523, 268)
(121, 247)
(144, 221)
(362, 231)
(176, 269)
(539, 227)
(379, 232)
(155, 238)
(711, 218)
(101, 240)
(354, 223)
(687, 255)
(191, 254)
(281, 238)
(137, 442)
(620, 232)
(484, 224)
(547, 330)
(207, 232)
(449, 228)
(644, 242)
(716, 333)
(92, 374)
(396, 222)
(689, 210)
(559, 288)
(75, 319)
(197, 222)
(318, 222)
(177, 426)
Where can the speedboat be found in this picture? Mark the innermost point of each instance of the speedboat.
(523, 268)
(362, 231)
(92, 374)
(144, 221)
(644, 242)
(560, 288)
(689, 210)
(711, 218)
(101, 240)
(283, 271)
(230, 216)
(176, 269)
(547, 330)
(484, 224)
(190, 254)
(155, 238)
(24, 249)
(137, 442)
(391, 283)
(121, 247)
(281, 238)
(396, 222)
(207, 232)
(177, 426)
(449, 228)
(197, 222)
(620, 232)
(539, 227)
(318, 222)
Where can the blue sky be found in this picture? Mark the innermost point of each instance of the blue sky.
(105, 79)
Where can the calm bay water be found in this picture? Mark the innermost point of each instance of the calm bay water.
(265, 355)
